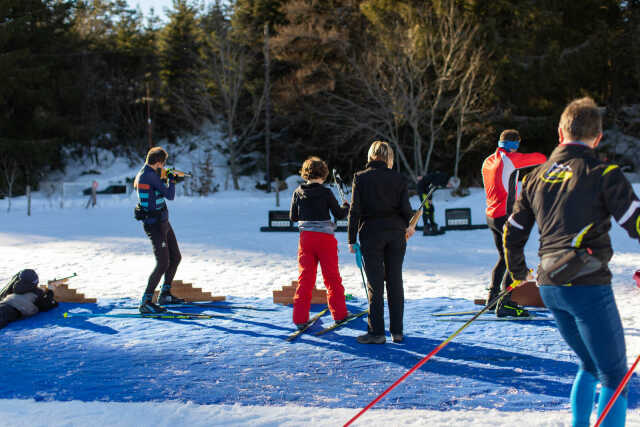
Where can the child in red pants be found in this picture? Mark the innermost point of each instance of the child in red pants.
(310, 206)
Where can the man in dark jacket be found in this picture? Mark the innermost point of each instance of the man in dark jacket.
(380, 212)
(152, 193)
(572, 198)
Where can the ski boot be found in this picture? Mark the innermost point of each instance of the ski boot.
(492, 296)
(147, 307)
(371, 339)
(506, 307)
(165, 298)
(301, 326)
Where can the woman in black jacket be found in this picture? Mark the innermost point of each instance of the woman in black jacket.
(380, 213)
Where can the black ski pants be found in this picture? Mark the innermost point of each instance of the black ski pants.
(428, 214)
(496, 225)
(8, 314)
(166, 251)
(383, 255)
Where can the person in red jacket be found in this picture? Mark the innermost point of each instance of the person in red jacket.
(311, 206)
(500, 178)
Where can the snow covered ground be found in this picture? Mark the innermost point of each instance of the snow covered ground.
(223, 252)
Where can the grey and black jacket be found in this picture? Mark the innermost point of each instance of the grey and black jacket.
(571, 198)
(312, 206)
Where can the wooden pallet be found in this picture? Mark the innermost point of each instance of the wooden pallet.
(527, 294)
(187, 292)
(62, 292)
(286, 294)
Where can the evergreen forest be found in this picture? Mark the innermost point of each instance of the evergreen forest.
(285, 79)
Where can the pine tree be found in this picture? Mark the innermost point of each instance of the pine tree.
(180, 45)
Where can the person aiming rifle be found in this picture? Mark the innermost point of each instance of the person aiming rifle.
(152, 211)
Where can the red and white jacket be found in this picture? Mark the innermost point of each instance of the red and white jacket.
(500, 173)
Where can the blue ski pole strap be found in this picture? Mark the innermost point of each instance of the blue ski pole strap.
(358, 255)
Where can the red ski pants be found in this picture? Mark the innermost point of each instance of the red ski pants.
(317, 247)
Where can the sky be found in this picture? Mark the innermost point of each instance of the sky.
(146, 5)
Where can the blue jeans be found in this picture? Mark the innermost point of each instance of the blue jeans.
(589, 322)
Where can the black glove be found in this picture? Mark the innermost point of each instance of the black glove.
(138, 213)
(46, 301)
(171, 174)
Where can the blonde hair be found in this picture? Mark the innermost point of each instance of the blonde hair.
(381, 151)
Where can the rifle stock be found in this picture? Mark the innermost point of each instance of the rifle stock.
(60, 281)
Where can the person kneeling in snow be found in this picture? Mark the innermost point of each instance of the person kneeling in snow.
(310, 206)
(22, 297)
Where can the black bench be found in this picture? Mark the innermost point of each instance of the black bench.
(460, 219)
(279, 221)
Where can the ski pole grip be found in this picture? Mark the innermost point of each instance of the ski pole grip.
(516, 283)
(358, 255)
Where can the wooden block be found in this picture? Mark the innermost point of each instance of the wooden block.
(63, 296)
(70, 295)
(527, 294)
(294, 283)
(216, 298)
(279, 294)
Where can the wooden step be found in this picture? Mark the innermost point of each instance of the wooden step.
(287, 293)
(187, 292)
(62, 293)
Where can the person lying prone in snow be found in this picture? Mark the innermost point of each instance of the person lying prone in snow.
(21, 297)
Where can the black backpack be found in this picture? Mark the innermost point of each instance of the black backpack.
(22, 282)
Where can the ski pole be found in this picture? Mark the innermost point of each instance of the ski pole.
(424, 360)
(359, 263)
(613, 399)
